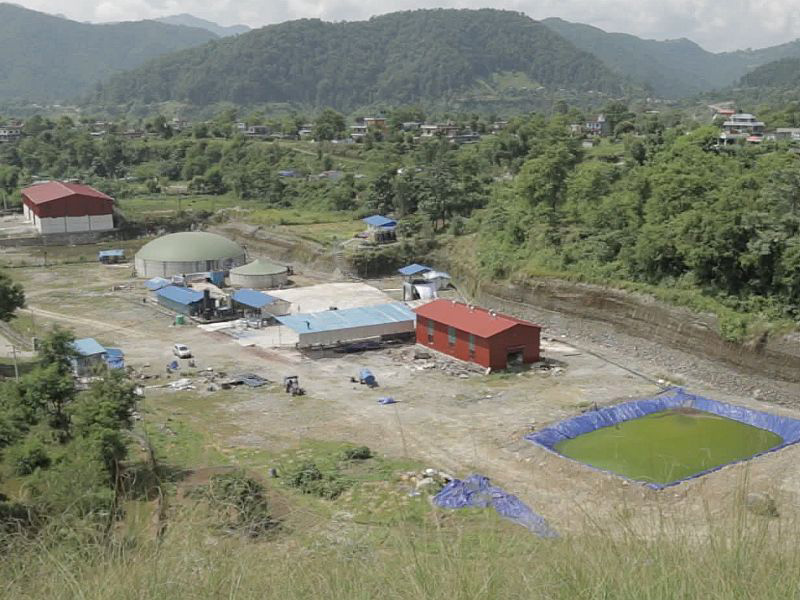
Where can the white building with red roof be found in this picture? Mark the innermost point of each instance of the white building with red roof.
(57, 207)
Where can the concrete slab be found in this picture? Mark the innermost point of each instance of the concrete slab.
(317, 298)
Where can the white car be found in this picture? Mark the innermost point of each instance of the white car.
(181, 351)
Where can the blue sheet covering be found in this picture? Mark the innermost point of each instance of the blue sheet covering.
(786, 427)
(477, 492)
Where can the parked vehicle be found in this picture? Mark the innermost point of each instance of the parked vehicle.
(181, 351)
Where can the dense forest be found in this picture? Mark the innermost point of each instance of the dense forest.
(47, 58)
(417, 56)
(784, 73)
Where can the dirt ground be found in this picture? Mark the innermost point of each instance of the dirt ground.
(465, 425)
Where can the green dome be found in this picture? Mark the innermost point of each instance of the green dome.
(259, 267)
(190, 246)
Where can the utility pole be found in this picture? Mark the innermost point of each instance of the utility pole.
(16, 369)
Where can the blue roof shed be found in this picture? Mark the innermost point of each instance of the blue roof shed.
(253, 298)
(414, 269)
(180, 299)
(88, 347)
(380, 221)
(156, 283)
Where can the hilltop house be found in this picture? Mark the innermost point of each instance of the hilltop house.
(742, 127)
(10, 133)
(599, 126)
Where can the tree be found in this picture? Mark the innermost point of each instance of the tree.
(330, 125)
(12, 297)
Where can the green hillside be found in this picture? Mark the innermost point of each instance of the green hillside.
(784, 73)
(46, 58)
(425, 55)
(671, 68)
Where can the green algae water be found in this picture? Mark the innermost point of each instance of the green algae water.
(666, 446)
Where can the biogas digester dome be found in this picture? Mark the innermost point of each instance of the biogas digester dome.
(188, 252)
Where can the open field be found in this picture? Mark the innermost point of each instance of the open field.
(463, 425)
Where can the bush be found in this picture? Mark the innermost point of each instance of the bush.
(358, 453)
(240, 502)
(28, 456)
(310, 480)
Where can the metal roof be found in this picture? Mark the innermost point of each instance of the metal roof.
(55, 190)
(110, 253)
(88, 347)
(348, 318)
(181, 295)
(379, 221)
(253, 298)
(190, 246)
(260, 267)
(414, 269)
(470, 319)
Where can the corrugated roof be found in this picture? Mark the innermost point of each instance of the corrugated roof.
(477, 321)
(181, 295)
(414, 269)
(379, 221)
(253, 298)
(88, 347)
(54, 190)
(348, 318)
(190, 246)
(260, 267)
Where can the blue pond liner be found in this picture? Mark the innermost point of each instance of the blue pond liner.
(785, 427)
(476, 492)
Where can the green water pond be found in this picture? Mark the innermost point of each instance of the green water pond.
(666, 446)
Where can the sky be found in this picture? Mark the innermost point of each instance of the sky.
(714, 24)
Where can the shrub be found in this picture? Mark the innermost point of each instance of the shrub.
(240, 502)
(28, 456)
(358, 453)
(310, 480)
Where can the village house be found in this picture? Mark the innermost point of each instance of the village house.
(742, 127)
(10, 133)
(599, 126)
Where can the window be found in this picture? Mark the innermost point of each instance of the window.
(430, 331)
(451, 336)
(471, 345)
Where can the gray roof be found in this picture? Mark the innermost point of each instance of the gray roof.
(348, 318)
(190, 246)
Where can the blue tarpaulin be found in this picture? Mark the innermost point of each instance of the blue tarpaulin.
(387, 400)
(787, 428)
(366, 376)
(111, 254)
(477, 492)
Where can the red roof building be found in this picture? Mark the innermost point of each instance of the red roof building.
(477, 335)
(56, 207)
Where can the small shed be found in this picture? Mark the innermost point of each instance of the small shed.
(254, 303)
(90, 356)
(477, 335)
(108, 257)
(380, 229)
(380, 222)
(260, 274)
(182, 300)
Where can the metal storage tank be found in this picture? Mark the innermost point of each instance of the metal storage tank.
(260, 274)
(188, 252)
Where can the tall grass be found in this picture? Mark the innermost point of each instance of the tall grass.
(743, 556)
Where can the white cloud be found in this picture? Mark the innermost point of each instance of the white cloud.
(713, 24)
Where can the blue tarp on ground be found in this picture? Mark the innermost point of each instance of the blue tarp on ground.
(477, 492)
(786, 427)
(111, 254)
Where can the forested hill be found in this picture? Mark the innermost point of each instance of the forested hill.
(671, 68)
(784, 73)
(45, 58)
(414, 56)
(192, 21)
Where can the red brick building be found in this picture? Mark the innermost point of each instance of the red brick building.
(477, 335)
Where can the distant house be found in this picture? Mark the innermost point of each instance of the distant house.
(305, 133)
(411, 126)
(742, 127)
(358, 132)
(466, 137)
(90, 357)
(499, 126)
(787, 133)
(133, 134)
(380, 229)
(375, 123)
(331, 175)
(257, 131)
(599, 126)
(10, 133)
(448, 130)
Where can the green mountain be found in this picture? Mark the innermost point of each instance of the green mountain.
(671, 68)
(47, 58)
(191, 21)
(783, 73)
(414, 56)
